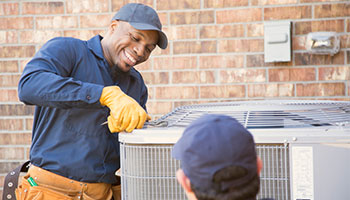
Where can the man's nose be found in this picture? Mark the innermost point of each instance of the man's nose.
(139, 50)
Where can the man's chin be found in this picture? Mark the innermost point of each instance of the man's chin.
(125, 68)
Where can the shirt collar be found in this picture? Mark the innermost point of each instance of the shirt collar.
(94, 44)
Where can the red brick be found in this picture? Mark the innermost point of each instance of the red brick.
(15, 139)
(156, 77)
(257, 60)
(292, 74)
(315, 26)
(29, 124)
(8, 37)
(222, 31)
(298, 43)
(344, 41)
(321, 89)
(16, 23)
(9, 9)
(2, 179)
(313, 1)
(38, 37)
(255, 30)
(241, 45)
(163, 17)
(271, 90)
(89, 21)
(95, 6)
(178, 4)
(11, 124)
(117, 4)
(156, 107)
(8, 66)
(151, 92)
(222, 91)
(242, 75)
(334, 73)
(16, 110)
(16, 51)
(348, 25)
(82, 34)
(292, 12)
(170, 63)
(332, 10)
(5, 167)
(42, 8)
(159, 51)
(194, 17)
(23, 63)
(239, 15)
(145, 65)
(8, 95)
(194, 47)
(314, 59)
(181, 32)
(11, 153)
(184, 92)
(9, 80)
(224, 3)
(223, 61)
(273, 2)
(56, 22)
(193, 77)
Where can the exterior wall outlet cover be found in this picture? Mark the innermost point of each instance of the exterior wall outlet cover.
(277, 41)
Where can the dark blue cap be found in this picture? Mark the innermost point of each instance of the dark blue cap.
(142, 17)
(211, 143)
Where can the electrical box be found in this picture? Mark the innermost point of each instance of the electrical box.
(277, 41)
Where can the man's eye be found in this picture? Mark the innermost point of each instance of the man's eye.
(134, 38)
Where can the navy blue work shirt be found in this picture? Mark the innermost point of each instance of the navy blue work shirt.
(64, 80)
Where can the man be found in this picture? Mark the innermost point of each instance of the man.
(76, 86)
(218, 160)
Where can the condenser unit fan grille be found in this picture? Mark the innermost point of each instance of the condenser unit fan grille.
(267, 114)
(149, 172)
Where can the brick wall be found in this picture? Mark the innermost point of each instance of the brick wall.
(215, 54)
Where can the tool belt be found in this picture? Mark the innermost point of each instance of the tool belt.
(61, 187)
(11, 181)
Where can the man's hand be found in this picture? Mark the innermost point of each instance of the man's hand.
(126, 114)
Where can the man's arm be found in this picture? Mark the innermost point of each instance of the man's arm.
(46, 80)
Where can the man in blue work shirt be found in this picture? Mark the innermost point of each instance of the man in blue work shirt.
(76, 86)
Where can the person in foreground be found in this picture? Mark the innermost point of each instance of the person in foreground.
(218, 160)
(76, 86)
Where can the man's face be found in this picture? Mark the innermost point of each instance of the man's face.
(126, 46)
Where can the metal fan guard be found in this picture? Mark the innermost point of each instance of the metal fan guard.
(266, 114)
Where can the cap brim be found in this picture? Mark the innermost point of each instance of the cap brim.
(162, 40)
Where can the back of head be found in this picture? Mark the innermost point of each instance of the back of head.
(218, 155)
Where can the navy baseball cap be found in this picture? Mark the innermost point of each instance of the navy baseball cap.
(214, 142)
(142, 17)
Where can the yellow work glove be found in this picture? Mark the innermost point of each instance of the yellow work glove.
(126, 114)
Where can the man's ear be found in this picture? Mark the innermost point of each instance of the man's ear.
(114, 24)
(259, 164)
(183, 180)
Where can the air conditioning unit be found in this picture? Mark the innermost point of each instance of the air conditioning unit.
(304, 146)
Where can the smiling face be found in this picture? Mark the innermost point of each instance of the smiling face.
(124, 46)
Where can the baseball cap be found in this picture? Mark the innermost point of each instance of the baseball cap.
(214, 142)
(142, 17)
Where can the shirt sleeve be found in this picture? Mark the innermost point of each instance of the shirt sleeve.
(46, 79)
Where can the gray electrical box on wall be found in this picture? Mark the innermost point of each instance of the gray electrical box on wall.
(277, 41)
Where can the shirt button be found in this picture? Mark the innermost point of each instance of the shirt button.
(88, 97)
